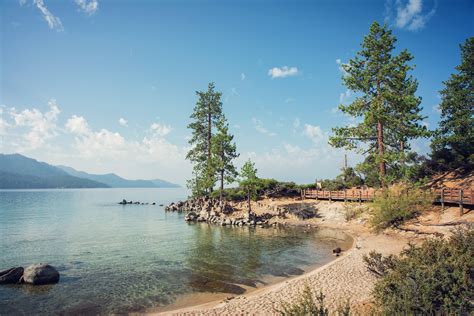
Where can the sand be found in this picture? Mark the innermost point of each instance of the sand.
(345, 278)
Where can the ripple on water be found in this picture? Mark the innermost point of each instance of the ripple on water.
(116, 259)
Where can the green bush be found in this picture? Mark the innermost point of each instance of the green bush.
(434, 278)
(306, 305)
(397, 204)
(351, 211)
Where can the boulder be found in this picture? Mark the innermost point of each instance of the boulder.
(337, 251)
(40, 274)
(11, 276)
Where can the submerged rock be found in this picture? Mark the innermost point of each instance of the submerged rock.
(11, 276)
(40, 274)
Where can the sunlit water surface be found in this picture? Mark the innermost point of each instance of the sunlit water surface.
(115, 258)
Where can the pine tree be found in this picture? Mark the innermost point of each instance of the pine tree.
(387, 105)
(453, 143)
(249, 181)
(224, 153)
(206, 114)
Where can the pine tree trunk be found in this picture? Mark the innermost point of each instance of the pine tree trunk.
(248, 201)
(402, 160)
(209, 136)
(222, 184)
(381, 151)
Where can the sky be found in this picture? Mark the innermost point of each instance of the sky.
(108, 86)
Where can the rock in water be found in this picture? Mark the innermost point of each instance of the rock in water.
(11, 276)
(40, 274)
(337, 251)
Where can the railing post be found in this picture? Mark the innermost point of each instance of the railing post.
(360, 197)
(461, 195)
(329, 196)
(442, 199)
(345, 196)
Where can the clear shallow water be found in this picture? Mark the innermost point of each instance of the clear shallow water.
(115, 258)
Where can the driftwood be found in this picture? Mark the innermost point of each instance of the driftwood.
(451, 223)
(419, 232)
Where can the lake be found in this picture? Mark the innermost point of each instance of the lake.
(121, 258)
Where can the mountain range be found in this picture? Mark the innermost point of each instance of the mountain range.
(20, 172)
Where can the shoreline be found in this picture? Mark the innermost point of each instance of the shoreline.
(196, 302)
(344, 278)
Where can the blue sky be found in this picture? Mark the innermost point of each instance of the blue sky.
(108, 86)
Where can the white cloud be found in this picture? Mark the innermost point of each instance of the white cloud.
(408, 14)
(53, 21)
(89, 7)
(37, 127)
(38, 134)
(160, 129)
(290, 162)
(242, 76)
(341, 66)
(258, 125)
(282, 72)
(313, 132)
(77, 125)
(345, 96)
(123, 122)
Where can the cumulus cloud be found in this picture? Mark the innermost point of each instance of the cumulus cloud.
(408, 14)
(313, 132)
(282, 72)
(37, 127)
(123, 122)
(160, 129)
(88, 7)
(291, 162)
(53, 21)
(258, 125)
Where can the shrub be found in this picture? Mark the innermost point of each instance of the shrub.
(351, 212)
(306, 305)
(434, 278)
(397, 204)
(379, 265)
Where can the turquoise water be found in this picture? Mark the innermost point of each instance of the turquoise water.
(115, 258)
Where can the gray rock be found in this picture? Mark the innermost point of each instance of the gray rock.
(11, 276)
(40, 274)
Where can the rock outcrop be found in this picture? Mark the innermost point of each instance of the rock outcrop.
(11, 276)
(38, 274)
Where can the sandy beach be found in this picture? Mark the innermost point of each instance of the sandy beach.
(345, 278)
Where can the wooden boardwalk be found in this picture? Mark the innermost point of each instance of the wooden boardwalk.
(461, 197)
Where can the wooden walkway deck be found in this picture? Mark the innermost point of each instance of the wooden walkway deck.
(461, 197)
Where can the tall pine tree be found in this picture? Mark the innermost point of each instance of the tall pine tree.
(224, 153)
(453, 143)
(207, 112)
(386, 105)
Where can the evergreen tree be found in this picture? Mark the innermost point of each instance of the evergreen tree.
(453, 143)
(206, 114)
(224, 153)
(389, 110)
(249, 181)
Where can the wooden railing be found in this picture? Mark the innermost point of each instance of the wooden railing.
(445, 195)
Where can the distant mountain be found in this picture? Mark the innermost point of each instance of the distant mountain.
(20, 172)
(114, 181)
